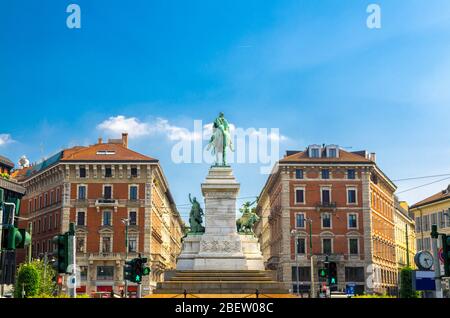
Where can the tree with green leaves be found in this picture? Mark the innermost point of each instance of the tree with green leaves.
(27, 280)
(36, 279)
(406, 284)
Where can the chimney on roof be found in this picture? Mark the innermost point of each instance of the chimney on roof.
(100, 140)
(125, 140)
(373, 156)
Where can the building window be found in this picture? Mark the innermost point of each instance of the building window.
(52, 197)
(418, 227)
(352, 221)
(301, 246)
(419, 245)
(351, 174)
(57, 199)
(106, 244)
(298, 173)
(56, 220)
(44, 224)
(354, 274)
(49, 227)
(304, 274)
(326, 220)
(434, 219)
(80, 244)
(45, 200)
(134, 172)
(39, 226)
(133, 192)
(82, 172)
(427, 244)
(81, 218)
(106, 218)
(332, 152)
(105, 272)
(107, 192)
(108, 172)
(83, 273)
(326, 246)
(351, 196)
(315, 152)
(133, 218)
(81, 192)
(353, 246)
(132, 245)
(299, 195)
(326, 196)
(325, 174)
(300, 220)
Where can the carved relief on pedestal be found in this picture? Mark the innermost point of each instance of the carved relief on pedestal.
(220, 246)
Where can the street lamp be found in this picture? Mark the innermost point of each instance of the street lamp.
(126, 221)
(294, 235)
(311, 256)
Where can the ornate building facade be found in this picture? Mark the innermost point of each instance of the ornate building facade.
(348, 202)
(107, 190)
(405, 236)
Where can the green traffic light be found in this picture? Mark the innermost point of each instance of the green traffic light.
(333, 280)
(146, 271)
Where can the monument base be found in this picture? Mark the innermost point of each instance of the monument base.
(230, 252)
(220, 261)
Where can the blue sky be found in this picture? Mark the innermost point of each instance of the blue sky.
(310, 68)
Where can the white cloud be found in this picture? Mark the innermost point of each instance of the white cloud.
(119, 124)
(114, 126)
(174, 132)
(135, 128)
(5, 139)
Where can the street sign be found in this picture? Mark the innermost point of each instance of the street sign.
(424, 280)
(350, 289)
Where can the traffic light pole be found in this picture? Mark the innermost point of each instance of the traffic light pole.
(31, 244)
(313, 289)
(126, 221)
(139, 291)
(437, 265)
(72, 281)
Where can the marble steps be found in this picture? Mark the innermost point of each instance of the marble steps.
(220, 282)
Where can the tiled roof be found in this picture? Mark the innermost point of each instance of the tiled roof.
(344, 157)
(441, 195)
(116, 152)
(6, 161)
(112, 152)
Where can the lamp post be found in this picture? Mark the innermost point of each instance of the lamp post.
(294, 235)
(311, 256)
(127, 223)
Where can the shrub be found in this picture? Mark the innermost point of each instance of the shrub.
(37, 278)
(28, 278)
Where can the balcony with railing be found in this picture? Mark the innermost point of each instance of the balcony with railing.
(326, 206)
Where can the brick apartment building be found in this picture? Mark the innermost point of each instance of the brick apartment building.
(349, 202)
(98, 188)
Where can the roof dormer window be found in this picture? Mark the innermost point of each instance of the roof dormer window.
(332, 151)
(106, 152)
(314, 151)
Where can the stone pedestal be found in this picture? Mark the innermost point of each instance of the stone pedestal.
(220, 247)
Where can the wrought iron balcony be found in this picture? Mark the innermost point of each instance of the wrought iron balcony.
(326, 206)
(105, 202)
